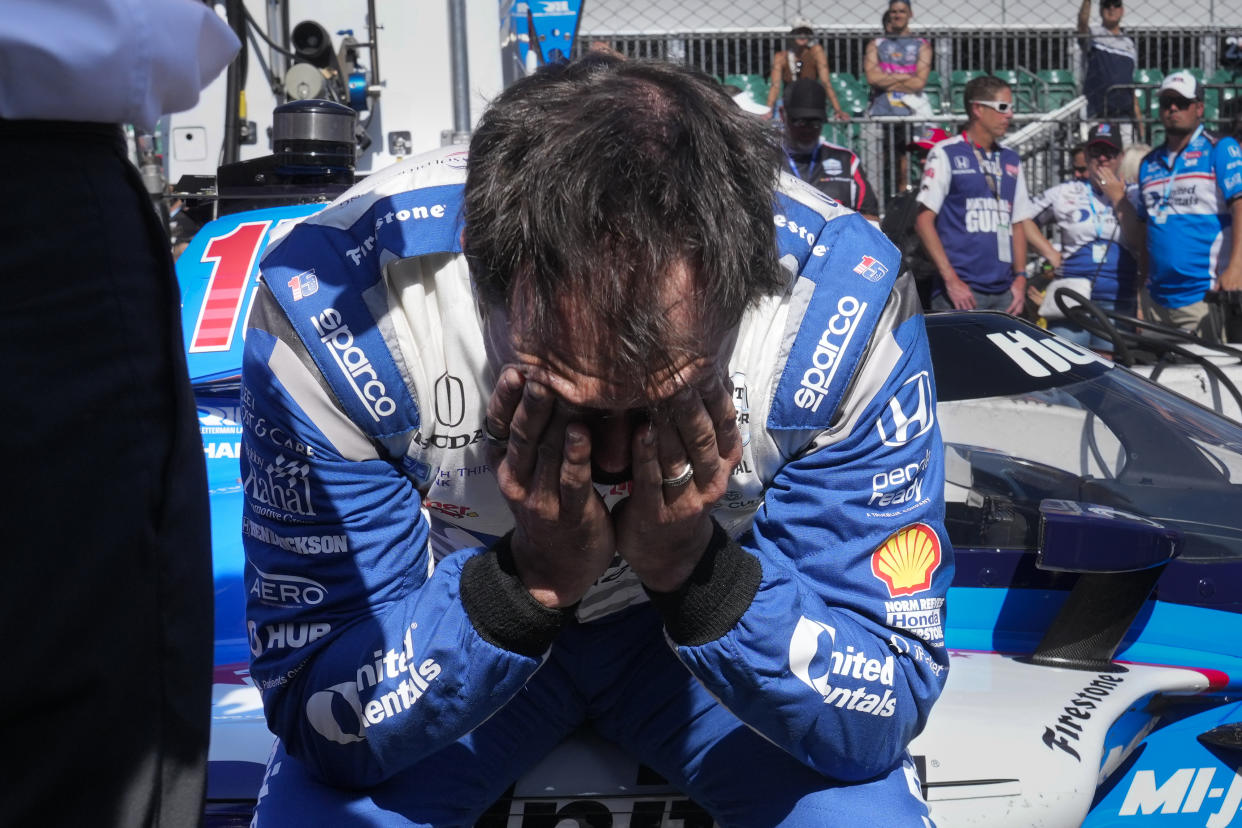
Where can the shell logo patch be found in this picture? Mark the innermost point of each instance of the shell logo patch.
(905, 562)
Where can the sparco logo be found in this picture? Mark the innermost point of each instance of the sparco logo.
(832, 342)
(354, 364)
(910, 412)
(287, 590)
(803, 653)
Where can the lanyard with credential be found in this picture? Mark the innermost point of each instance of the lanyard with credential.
(794, 167)
(992, 184)
(1099, 252)
(1095, 216)
(1168, 185)
(1004, 242)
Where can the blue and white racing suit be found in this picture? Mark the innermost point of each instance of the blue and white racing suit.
(402, 662)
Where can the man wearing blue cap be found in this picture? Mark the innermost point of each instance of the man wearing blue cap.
(1191, 189)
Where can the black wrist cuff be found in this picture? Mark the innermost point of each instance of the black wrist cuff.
(714, 597)
(502, 609)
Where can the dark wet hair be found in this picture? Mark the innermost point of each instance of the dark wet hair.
(587, 182)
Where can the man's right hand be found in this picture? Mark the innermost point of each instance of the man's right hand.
(563, 537)
(959, 293)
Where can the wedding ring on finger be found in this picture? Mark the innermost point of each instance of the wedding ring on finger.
(493, 440)
(686, 475)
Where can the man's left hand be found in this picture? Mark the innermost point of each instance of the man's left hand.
(662, 530)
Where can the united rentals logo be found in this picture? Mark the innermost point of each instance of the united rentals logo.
(871, 269)
(847, 678)
(905, 562)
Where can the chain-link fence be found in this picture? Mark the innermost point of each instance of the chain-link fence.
(1033, 46)
(652, 17)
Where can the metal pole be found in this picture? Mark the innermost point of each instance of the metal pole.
(276, 31)
(460, 68)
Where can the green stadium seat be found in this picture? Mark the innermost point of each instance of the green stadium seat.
(1058, 88)
(843, 134)
(756, 85)
(957, 82)
(1219, 97)
(1147, 97)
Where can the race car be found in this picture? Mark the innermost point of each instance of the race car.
(1094, 619)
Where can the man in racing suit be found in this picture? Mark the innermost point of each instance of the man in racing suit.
(676, 458)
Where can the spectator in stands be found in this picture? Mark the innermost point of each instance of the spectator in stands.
(900, 212)
(1098, 242)
(833, 170)
(802, 59)
(1191, 201)
(1078, 162)
(896, 66)
(972, 187)
(1111, 58)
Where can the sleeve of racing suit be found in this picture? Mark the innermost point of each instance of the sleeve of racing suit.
(366, 662)
(934, 183)
(835, 648)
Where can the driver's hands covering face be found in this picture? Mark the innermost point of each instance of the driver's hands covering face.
(564, 538)
(662, 530)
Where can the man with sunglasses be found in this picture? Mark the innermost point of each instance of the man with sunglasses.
(972, 188)
(1111, 58)
(833, 170)
(1191, 189)
(668, 430)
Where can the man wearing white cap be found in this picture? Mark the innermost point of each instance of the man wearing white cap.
(1191, 199)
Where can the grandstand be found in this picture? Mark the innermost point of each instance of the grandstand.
(1040, 57)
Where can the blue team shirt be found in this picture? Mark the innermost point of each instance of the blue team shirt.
(1185, 203)
(973, 222)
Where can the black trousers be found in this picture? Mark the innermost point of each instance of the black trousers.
(105, 586)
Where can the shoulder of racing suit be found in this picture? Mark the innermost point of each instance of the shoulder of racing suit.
(840, 300)
(842, 306)
(412, 209)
